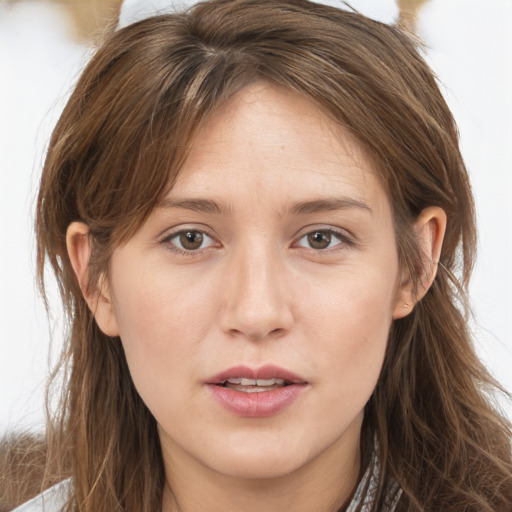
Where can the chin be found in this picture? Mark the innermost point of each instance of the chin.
(264, 468)
(260, 460)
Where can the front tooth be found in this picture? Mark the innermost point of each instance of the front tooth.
(269, 382)
(248, 382)
(234, 381)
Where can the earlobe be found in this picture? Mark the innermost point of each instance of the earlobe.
(98, 297)
(430, 228)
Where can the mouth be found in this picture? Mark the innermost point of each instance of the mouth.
(256, 393)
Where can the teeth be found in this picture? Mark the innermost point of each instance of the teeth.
(253, 389)
(256, 382)
(269, 382)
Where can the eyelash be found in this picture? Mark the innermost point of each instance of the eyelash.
(344, 241)
(167, 240)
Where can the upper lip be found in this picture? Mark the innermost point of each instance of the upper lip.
(263, 372)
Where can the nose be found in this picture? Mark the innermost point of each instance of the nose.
(257, 304)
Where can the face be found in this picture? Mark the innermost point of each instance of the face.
(254, 304)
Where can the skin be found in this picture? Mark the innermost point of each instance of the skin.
(257, 292)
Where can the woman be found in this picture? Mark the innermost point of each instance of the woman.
(256, 212)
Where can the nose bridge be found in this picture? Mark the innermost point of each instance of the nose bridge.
(257, 303)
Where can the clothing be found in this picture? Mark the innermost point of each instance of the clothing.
(365, 492)
(53, 499)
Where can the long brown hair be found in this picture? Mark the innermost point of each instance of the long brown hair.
(118, 147)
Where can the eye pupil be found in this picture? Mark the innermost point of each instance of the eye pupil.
(319, 239)
(191, 240)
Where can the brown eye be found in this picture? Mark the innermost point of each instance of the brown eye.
(322, 239)
(188, 241)
(319, 239)
(191, 240)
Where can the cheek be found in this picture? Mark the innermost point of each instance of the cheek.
(162, 319)
(349, 322)
(154, 308)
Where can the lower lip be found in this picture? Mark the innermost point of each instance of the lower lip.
(257, 405)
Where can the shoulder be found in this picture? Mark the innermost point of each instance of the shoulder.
(51, 500)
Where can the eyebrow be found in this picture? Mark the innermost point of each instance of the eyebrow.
(300, 208)
(327, 205)
(196, 205)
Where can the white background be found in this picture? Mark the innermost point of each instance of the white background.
(470, 48)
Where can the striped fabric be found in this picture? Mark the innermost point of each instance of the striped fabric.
(365, 493)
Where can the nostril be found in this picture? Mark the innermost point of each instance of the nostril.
(274, 333)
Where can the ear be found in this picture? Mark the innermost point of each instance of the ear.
(430, 228)
(98, 299)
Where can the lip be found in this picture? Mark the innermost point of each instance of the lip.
(261, 404)
(264, 372)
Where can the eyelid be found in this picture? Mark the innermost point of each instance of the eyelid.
(168, 236)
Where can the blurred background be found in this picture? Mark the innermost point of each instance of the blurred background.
(44, 45)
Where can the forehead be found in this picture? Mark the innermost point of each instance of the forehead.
(274, 145)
